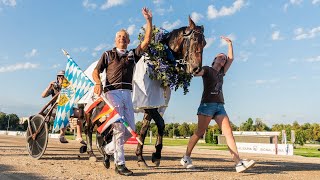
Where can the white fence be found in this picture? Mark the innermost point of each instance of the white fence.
(263, 148)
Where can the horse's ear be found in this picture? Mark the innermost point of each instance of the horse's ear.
(192, 25)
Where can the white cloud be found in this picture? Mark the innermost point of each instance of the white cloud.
(296, 2)
(291, 2)
(11, 3)
(244, 56)
(89, 5)
(264, 81)
(166, 25)
(232, 37)
(315, 1)
(55, 66)
(101, 47)
(18, 66)
(251, 40)
(134, 43)
(33, 53)
(209, 41)
(293, 77)
(196, 16)
(111, 3)
(80, 49)
(285, 7)
(157, 2)
(300, 33)
(260, 81)
(276, 36)
(273, 25)
(213, 13)
(131, 29)
(163, 11)
(292, 60)
(94, 54)
(314, 59)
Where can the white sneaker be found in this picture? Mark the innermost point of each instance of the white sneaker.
(244, 165)
(186, 162)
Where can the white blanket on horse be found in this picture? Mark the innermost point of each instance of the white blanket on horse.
(147, 93)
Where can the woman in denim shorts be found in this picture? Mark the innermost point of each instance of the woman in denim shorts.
(212, 107)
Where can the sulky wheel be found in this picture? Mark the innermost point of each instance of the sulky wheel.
(36, 147)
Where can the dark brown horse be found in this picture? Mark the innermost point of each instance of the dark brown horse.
(186, 45)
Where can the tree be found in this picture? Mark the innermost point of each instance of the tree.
(209, 136)
(3, 121)
(315, 131)
(13, 120)
(25, 125)
(193, 128)
(154, 129)
(300, 137)
(168, 130)
(233, 126)
(295, 125)
(138, 126)
(306, 127)
(260, 125)
(247, 126)
(184, 130)
(175, 129)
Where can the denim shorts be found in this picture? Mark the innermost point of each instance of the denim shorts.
(211, 109)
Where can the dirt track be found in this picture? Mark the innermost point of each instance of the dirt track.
(63, 161)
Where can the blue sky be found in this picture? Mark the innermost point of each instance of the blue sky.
(275, 75)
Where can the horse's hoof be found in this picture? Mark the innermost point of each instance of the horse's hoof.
(83, 149)
(106, 161)
(155, 160)
(143, 165)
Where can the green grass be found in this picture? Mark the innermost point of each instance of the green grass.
(300, 151)
(184, 143)
(307, 152)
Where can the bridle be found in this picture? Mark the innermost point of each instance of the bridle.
(187, 37)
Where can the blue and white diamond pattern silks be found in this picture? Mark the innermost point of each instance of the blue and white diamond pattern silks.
(70, 95)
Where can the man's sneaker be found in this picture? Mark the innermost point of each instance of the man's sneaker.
(244, 165)
(123, 170)
(186, 162)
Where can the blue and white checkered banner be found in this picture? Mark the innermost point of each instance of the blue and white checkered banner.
(74, 87)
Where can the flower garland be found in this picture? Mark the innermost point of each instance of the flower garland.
(162, 65)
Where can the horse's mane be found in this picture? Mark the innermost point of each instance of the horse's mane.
(173, 33)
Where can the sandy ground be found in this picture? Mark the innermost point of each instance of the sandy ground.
(63, 161)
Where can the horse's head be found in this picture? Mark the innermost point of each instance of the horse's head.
(187, 44)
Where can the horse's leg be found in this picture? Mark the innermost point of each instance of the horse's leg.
(143, 132)
(156, 156)
(89, 131)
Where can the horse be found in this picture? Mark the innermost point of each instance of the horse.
(186, 44)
